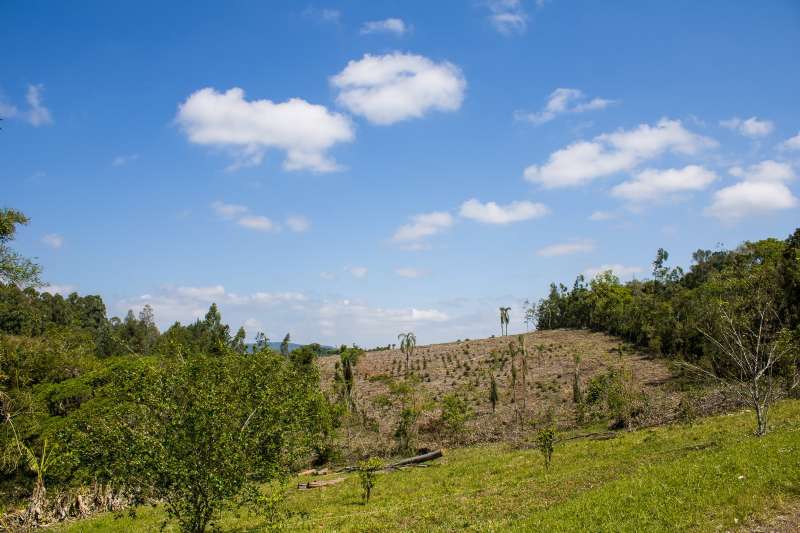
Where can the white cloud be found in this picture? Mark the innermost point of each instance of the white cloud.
(228, 211)
(256, 222)
(408, 272)
(390, 25)
(652, 184)
(751, 127)
(767, 170)
(423, 225)
(563, 101)
(620, 271)
(327, 276)
(63, 290)
(761, 191)
(792, 143)
(304, 131)
(610, 153)
(53, 240)
(327, 320)
(507, 16)
(122, 160)
(298, 223)
(36, 115)
(394, 87)
(332, 16)
(598, 216)
(750, 198)
(567, 248)
(358, 271)
(241, 214)
(492, 213)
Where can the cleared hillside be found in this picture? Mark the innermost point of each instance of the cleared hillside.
(465, 368)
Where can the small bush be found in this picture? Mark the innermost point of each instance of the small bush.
(367, 474)
(455, 413)
(545, 441)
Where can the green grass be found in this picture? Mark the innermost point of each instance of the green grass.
(708, 476)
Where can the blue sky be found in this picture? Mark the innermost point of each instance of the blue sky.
(346, 171)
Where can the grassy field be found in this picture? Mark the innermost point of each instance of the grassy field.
(708, 476)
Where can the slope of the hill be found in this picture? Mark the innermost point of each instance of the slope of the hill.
(713, 475)
(466, 368)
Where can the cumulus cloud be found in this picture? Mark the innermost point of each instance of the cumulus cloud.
(53, 240)
(63, 290)
(492, 213)
(395, 87)
(610, 153)
(328, 320)
(390, 25)
(563, 101)
(228, 210)
(507, 16)
(358, 272)
(620, 271)
(422, 226)
(243, 217)
(651, 184)
(762, 190)
(332, 16)
(123, 160)
(598, 216)
(792, 143)
(36, 115)
(298, 223)
(304, 131)
(751, 127)
(408, 272)
(567, 248)
(256, 222)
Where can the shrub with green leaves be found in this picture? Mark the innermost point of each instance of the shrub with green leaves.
(545, 442)
(455, 413)
(198, 432)
(367, 473)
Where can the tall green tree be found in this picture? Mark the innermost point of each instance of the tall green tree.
(14, 268)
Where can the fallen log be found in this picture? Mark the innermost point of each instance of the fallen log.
(319, 483)
(417, 459)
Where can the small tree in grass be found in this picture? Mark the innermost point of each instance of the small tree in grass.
(751, 342)
(367, 474)
(545, 441)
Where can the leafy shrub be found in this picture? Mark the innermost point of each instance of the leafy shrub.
(367, 474)
(455, 413)
(545, 441)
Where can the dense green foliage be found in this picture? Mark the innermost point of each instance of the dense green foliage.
(669, 312)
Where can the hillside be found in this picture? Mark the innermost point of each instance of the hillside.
(709, 476)
(465, 368)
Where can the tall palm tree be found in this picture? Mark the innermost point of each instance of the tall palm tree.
(504, 319)
(408, 341)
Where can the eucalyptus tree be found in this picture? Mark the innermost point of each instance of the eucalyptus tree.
(408, 342)
(504, 319)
